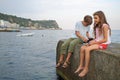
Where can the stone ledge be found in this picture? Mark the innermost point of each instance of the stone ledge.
(104, 64)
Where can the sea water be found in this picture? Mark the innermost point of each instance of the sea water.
(33, 57)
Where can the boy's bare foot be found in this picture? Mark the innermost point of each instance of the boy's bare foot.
(83, 73)
(66, 64)
(59, 64)
(78, 69)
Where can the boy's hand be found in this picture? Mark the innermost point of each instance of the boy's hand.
(85, 40)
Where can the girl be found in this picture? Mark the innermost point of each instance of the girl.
(102, 34)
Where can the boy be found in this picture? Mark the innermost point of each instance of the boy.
(81, 35)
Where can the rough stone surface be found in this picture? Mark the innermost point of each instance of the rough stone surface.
(104, 64)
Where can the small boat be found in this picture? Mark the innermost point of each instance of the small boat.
(26, 34)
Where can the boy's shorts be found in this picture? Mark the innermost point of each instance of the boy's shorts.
(103, 46)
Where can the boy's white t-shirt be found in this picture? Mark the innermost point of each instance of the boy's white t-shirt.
(81, 28)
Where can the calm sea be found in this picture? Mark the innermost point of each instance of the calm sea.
(34, 57)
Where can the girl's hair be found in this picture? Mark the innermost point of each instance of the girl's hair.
(103, 20)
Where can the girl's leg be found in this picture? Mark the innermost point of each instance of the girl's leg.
(87, 58)
(82, 55)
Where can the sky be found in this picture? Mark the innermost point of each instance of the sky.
(65, 12)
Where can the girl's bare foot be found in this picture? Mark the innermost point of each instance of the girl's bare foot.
(83, 73)
(78, 69)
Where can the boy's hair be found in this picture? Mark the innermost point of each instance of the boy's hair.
(88, 19)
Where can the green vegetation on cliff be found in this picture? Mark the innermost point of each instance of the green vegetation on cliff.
(39, 24)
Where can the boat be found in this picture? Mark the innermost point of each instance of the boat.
(25, 34)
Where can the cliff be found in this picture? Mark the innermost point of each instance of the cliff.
(24, 22)
(104, 64)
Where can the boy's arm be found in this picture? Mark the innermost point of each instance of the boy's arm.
(87, 34)
(80, 36)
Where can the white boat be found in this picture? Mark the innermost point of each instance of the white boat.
(26, 34)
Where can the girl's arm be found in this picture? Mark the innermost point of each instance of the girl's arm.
(105, 35)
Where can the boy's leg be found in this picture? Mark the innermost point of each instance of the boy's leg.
(70, 50)
(65, 45)
(60, 61)
(63, 50)
(72, 46)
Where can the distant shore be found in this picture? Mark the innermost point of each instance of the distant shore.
(9, 30)
(18, 30)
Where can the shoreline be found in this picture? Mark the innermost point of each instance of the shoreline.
(9, 30)
(19, 30)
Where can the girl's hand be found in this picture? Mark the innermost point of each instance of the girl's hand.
(92, 42)
(86, 44)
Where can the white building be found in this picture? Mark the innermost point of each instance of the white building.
(2, 23)
(7, 24)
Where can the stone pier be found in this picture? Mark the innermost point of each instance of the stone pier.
(104, 64)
